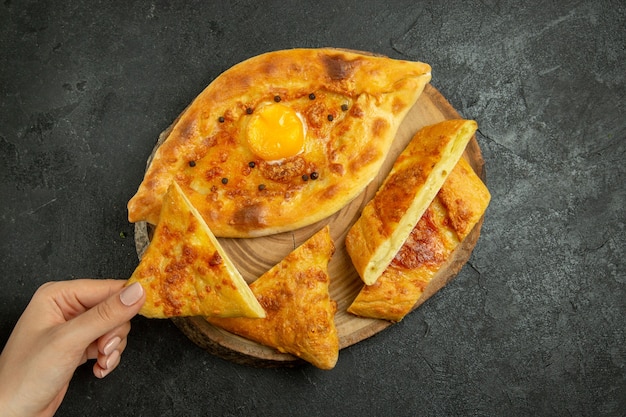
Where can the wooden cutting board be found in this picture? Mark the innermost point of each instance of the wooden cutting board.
(253, 257)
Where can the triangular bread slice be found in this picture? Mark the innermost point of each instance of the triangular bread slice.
(415, 178)
(411, 276)
(184, 270)
(300, 312)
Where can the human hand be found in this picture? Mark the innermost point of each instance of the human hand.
(65, 324)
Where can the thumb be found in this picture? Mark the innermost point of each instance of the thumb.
(107, 315)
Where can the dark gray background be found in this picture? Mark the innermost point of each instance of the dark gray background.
(533, 325)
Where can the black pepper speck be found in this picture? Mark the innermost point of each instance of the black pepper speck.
(314, 175)
(311, 96)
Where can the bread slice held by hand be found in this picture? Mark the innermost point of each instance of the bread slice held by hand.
(415, 178)
(300, 312)
(184, 270)
(412, 274)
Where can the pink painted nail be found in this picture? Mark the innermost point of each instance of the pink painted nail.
(113, 360)
(111, 345)
(131, 294)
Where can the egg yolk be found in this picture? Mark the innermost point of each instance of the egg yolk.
(275, 131)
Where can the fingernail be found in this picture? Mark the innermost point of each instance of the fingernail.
(112, 360)
(111, 345)
(131, 294)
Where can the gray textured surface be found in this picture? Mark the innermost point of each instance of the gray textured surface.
(533, 325)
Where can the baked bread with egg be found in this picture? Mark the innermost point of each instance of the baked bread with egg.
(185, 272)
(282, 140)
(300, 312)
(412, 275)
(415, 178)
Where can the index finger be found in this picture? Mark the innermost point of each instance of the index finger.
(76, 296)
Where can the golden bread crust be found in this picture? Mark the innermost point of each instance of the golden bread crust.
(300, 312)
(415, 178)
(359, 102)
(453, 213)
(184, 272)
